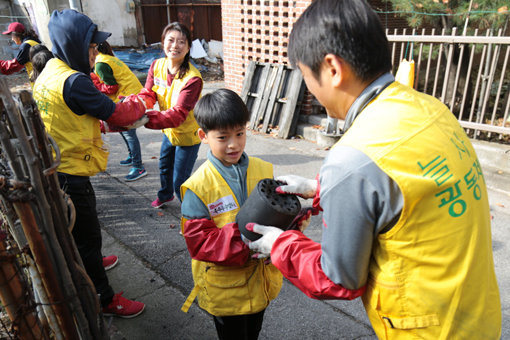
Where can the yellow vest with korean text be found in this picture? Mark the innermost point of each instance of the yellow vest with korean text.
(127, 81)
(432, 275)
(186, 133)
(28, 65)
(232, 290)
(78, 137)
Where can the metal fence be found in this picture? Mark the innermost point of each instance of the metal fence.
(467, 73)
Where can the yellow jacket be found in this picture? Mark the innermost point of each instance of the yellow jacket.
(186, 133)
(233, 290)
(78, 137)
(432, 275)
(126, 79)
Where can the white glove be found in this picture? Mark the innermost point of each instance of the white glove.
(263, 245)
(140, 122)
(297, 185)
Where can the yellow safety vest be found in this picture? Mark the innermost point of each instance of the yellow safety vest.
(78, 137)
(186, 133)
(28, 65)
(126, 79)
(229, 290)
(432, 275)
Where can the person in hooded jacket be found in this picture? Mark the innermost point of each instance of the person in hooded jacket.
(26, 38)
(71, 108)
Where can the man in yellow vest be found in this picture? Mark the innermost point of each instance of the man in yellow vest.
(71, 108)
(406, 220)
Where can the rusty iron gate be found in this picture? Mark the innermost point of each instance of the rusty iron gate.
(467, 73)
(202, 17)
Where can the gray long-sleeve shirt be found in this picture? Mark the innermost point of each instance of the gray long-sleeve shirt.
(359, 201)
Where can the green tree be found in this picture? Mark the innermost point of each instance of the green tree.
(447, 14)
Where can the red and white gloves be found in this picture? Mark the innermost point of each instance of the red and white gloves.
(262, 247)
(297, 185)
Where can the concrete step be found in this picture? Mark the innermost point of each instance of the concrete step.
(313, 128)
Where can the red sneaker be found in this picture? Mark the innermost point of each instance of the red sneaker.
(110, 261)
(123, 308)
(158, 204)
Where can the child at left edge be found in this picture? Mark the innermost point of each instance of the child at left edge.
(231, 285)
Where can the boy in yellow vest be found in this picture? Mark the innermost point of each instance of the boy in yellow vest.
(234, 288)
(406, 220)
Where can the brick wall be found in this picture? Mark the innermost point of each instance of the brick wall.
(256, 30)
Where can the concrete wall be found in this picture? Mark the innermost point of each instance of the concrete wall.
(110, 16)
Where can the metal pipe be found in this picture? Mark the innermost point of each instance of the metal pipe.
(76, 5)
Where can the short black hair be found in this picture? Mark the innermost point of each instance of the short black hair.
(39, 61)
(105, 48)
(349, 29)
(221, 109)
(36, 49)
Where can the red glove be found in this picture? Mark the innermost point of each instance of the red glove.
(302, 220)
(10, 66)
(166, 119)
(127, 112)
(149, 97)
(105, 127)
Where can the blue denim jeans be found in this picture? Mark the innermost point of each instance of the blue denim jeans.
(175, 166)
(133, 146)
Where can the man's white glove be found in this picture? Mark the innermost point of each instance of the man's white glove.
(263, 245)
(140, 122)
(297, 185)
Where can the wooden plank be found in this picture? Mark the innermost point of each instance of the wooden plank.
(268, 88)
(276, 86)
(254, 120)
(289, 109)
(248, 77)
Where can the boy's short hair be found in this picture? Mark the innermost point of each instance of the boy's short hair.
(349, 29)
(221, 109)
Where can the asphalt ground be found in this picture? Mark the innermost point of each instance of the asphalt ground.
(154, 264)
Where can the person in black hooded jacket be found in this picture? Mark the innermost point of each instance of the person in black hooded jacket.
(71, 108)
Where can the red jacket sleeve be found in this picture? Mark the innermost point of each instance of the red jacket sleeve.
(299, 260)
(177, 114)
(10, 66)
(207, 242)
(102, 87)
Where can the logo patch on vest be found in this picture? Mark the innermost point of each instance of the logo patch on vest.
(222, 205)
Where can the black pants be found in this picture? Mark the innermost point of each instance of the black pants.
(87, 232)
(239, 327)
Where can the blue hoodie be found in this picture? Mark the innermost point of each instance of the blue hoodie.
(71, 33)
